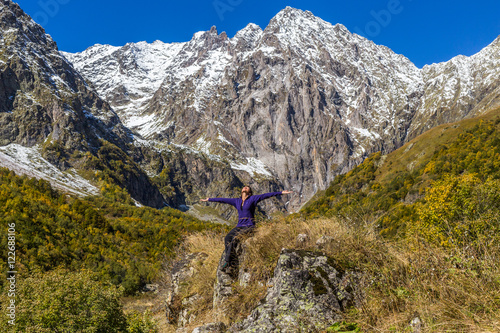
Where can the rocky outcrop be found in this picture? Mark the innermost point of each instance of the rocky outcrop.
(307, 293)
(177, 306)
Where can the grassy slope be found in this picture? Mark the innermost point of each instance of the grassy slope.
(384, 188)
(419, 150)
(448, 290)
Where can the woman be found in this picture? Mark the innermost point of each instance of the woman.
(245, 205)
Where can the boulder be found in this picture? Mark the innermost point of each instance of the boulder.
(416, 325)
(307, 293)
(323, 241)
(301, 239)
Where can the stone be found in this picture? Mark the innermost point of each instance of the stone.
(307, 293)
(218, 327)
(301, 239)
(323, 241)
(151, 288)
(185, 315)
(416, 325)
(177, 309)
(244, 278)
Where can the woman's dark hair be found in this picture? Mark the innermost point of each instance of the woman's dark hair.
(250, 192)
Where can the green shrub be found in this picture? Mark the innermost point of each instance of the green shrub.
(63, 301)
(141, 323)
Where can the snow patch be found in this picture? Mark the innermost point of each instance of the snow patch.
(253, 167)
(28, 161)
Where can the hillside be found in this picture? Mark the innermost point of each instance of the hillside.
(456, 164)
(107, 234)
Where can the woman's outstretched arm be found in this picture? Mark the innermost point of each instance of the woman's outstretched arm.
(270, 194)
(229, 201)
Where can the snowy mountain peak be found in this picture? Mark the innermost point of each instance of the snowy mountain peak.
(210, 34)
(250, 32)
(248, 37)
(496, 42)
(300, 90)
(291, 13)
(292, 18)
(15, 20)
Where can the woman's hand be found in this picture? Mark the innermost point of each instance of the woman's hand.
(286, 192)
(204, 200)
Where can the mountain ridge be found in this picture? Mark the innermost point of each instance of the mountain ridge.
(364, 97)
(290, 106)
(47, 105)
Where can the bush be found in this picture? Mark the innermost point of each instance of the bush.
(63, 301)
(141, 323)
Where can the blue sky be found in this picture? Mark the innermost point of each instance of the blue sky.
(425, 31)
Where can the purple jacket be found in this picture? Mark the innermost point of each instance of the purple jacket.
(247, 210)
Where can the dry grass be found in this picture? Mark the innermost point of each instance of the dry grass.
(202, 283)
(450, 291)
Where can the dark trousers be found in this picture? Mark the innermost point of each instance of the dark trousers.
(232, 238)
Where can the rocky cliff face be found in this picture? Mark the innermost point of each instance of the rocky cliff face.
(42, 95)
(46, 105)
(294, 104)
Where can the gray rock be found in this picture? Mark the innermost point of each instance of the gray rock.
(185, 315)
(244, 278)
(301, 239)
(177, 309)
(306, 293)
(323, 241)
(151, 288)
(416, 325)
(218, 327)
